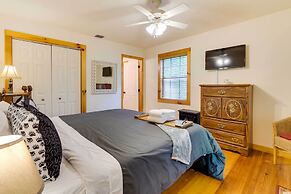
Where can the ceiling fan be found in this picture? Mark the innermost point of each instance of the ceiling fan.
(160, 19)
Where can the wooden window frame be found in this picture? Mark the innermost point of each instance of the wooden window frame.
(177, 53)
(9, 35)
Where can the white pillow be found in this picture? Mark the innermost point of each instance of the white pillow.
(4, 106)
(4, 125)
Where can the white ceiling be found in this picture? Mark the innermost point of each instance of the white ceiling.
(109, 17)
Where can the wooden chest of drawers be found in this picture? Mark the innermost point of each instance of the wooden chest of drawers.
(226, 111)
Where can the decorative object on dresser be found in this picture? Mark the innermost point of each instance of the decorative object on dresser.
(10, 73)
(189, 115)
(226, 111)
(18, 172)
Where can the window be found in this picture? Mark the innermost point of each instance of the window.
(174, 77)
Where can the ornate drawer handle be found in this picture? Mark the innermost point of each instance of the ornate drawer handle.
(221, 126)
(234, 139)
(221, 92)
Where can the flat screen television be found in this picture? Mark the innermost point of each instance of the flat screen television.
(225, 58)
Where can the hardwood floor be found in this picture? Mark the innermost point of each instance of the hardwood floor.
(193, 182)
(255, 174)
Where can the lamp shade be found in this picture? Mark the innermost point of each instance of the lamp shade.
(18, 173)
(9, 72)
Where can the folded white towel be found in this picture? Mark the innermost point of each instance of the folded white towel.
(162, 119)
(162, 112)
(156, 119)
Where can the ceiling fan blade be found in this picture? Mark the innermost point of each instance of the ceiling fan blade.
(138, 23)
(176, 24)
(143, 10)
(175, 11)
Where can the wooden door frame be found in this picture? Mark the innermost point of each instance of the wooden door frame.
(9, 35)
(140, 80)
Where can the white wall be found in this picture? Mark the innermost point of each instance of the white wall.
(97, 49)
(269, 69)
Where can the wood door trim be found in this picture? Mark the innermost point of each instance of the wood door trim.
(9, 35)
(140, 80)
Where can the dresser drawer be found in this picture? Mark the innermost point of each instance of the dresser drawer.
(242, 150)
(224, 91)
(211, 107)
(234, 109)
(228, 137)
(232, 127)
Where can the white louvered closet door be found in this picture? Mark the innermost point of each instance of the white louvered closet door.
(66, 81)
(33, 63)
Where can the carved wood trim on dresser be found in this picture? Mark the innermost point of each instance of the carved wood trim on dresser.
(226, 111)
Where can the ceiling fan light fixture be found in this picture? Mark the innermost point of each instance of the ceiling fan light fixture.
(156, 29)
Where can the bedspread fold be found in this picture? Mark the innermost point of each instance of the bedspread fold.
(182, 146)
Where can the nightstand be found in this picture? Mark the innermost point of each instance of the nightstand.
(190, 115)
(11, 97)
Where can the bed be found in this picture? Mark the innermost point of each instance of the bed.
(69, 181)
(112, 152)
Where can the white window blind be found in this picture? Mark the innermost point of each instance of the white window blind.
(174, 78)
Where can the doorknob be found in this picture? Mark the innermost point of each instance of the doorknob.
(42, 100)
(84, 91)
(60, 98)
(124, 92)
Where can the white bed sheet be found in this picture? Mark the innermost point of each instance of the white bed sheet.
(69, 181)
(100, 171)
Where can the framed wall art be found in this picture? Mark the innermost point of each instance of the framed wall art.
(103, 78)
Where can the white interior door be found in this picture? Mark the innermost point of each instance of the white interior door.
(130, 84)
(33, 63)
(66, 81)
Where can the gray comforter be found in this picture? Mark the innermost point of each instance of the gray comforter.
(144, 150)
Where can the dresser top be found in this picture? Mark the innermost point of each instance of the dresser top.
(224, 85)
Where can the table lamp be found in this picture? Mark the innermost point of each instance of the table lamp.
(10, 73)
(18, 173)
